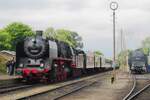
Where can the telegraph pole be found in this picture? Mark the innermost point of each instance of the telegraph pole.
(114, 7)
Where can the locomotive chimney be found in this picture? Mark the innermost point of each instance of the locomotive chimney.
(39, 33)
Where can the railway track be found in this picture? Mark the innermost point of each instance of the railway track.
(60, 92)
(65, 90)
(52, 91)
(140, 86)
(13, 87)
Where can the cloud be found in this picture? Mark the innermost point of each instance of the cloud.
(92, 19)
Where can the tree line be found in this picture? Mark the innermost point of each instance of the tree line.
(16, 31)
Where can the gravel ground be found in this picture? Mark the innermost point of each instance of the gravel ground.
(6, 77)
(104, 90)
(6, 80)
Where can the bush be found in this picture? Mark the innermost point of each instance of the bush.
(3, 64)
(4, 58)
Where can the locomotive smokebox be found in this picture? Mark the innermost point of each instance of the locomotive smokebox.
(39, 33)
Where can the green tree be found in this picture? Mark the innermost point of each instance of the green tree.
(18, 31)
(122, 57)
(98, 53)
(64, 35)
(72, 38)
(77, 40)
(49, 32)
(5, 40)
(146, 45)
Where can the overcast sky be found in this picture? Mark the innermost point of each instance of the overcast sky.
(92, 19)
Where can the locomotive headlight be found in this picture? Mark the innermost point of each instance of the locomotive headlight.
(144, 68)
(21, 65)
(41, 65)
(55, 65)
(132, 67)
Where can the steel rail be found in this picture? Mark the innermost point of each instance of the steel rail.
(75, 90)
(139, 92)
(130, 95)
(13, 88)
(131, 91)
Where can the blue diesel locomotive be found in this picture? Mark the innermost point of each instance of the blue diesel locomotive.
(137, 61)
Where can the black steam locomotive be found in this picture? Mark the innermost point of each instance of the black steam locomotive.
(138, 61)
(49, 59)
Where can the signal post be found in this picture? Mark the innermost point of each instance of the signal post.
(114, 7)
